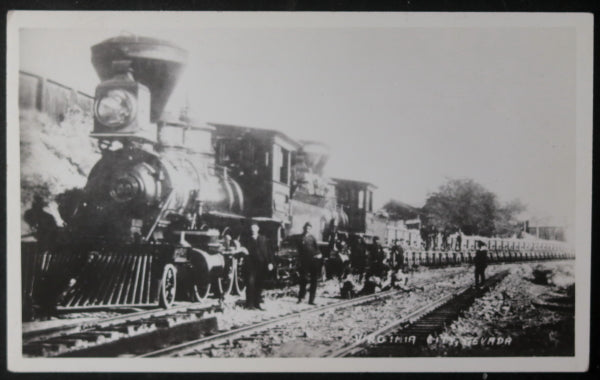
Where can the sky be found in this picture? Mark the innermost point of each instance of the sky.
(405, 108)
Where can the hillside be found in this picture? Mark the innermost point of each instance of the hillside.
(55, 156)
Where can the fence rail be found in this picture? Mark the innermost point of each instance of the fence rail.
(50, 97)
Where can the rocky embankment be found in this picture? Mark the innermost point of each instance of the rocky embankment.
(55, 156)
(530, 313)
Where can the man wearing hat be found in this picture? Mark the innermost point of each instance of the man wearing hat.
(309, 263)
(480, 262)
(42, 223)
(397, 255)
(259, 262)
(376, 258)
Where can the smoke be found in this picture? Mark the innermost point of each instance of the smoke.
(55, 156)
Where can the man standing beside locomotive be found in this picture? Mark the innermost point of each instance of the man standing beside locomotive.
(376, 258)
(397, 255)
(42, 223)
(258, 264)
(309, 263)
(480, 263)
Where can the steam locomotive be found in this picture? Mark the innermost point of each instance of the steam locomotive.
(157, 218)
(161, 215)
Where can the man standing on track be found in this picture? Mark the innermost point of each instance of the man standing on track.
(480, 263)
(257, 265)
(309, 263)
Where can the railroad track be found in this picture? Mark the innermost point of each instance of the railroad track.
(234, 338)
(246, 332)
(231, 339)
(164, 333)
(418, 324)
(127, 334)
(121, 334)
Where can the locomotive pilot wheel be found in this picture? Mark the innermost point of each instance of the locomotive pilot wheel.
(168, 286)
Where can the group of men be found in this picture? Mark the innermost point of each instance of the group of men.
(432, 238)
(259, 262)
(364, 259)
(378, 268)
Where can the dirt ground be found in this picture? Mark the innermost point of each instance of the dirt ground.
(521, 316)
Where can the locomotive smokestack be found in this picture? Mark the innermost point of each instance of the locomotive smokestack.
(315, 155)
(154, 63)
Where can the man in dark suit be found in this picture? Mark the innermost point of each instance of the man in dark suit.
(376, 258)
(397, 255)
(258, 263)
(309, 263)
(359, 256)
(480, 263)
(42, 223)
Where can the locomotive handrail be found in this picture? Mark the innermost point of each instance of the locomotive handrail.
(160, 214)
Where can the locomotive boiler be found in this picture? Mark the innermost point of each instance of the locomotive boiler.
(157, 220)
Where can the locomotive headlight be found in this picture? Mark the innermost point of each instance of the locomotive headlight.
(116, 109)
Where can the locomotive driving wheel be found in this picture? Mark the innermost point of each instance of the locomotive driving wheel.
(225, 282)
(202, 287)
(168, 286)
(239, 283)
(201, 280)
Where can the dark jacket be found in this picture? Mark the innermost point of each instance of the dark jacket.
(307, 247)
(481, 258)
(259, 254)
(397, 254)
(376, 253)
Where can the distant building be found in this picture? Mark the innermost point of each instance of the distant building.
(546, 232)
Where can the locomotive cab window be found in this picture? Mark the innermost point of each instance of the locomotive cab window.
(361, 199)
(281, 164)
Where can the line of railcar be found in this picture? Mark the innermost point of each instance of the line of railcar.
(162, 213)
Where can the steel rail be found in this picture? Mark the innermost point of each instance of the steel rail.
(40, 335)
(199, 344)
(411, 317)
